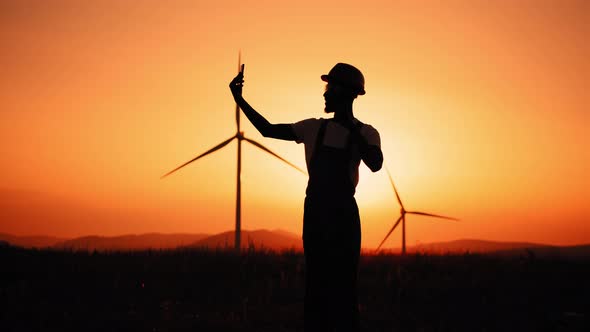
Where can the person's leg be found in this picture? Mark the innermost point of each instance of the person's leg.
(348, 260)
(342, 289)
(332, 249)
(311, 318)
(356, 253)
(315, 299)
(353, 295)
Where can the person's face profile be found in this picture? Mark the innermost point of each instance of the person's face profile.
(335, 94)
(329, 97)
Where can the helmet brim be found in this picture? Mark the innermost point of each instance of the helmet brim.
(326, 79)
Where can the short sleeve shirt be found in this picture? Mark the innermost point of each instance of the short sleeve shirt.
(336, 136)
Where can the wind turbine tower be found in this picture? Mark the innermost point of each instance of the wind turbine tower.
(402, 218)
(239, 136)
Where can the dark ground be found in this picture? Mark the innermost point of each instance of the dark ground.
(191, 290)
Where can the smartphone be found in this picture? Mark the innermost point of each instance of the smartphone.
(242, 69)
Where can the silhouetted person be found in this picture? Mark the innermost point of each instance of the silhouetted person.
(331, 224)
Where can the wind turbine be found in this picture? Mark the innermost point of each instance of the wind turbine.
(402, 218)
(240, 137)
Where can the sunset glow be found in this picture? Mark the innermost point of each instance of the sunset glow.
(482, 109)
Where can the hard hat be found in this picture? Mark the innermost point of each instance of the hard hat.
(346, 75)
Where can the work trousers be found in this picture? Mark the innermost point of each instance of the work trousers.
(331, 241)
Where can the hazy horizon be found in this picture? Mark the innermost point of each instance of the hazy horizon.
(278, 231)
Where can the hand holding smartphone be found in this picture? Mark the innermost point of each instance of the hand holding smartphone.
(237, 83)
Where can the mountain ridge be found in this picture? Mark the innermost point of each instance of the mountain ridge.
(278, 239)
(130, 241)
(31, 241)
(259, 238)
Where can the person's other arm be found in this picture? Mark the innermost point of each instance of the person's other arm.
(370, 154)
(267, 129)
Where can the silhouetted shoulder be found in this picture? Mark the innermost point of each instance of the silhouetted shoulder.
(371, 135)
(305, 128)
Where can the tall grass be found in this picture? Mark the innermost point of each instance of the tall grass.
(262, 290)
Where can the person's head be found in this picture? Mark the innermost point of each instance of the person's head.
(344, 84)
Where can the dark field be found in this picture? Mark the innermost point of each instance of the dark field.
(261, 291)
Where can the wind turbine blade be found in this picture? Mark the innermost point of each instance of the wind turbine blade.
(394, 189)
(219, 146)
(431, 215)
(274, 154)
(390, 231)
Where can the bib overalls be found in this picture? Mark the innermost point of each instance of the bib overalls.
(331, 239)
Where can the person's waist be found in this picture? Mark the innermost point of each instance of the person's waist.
(322, 194)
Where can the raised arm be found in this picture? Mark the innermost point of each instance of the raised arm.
(267, 129)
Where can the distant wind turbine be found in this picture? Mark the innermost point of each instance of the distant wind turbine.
(240, 137)
(402, 218)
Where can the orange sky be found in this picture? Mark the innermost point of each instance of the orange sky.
(482, 108)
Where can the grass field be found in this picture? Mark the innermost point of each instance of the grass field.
(197, 290)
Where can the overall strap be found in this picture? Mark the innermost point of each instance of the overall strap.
(318, 143)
